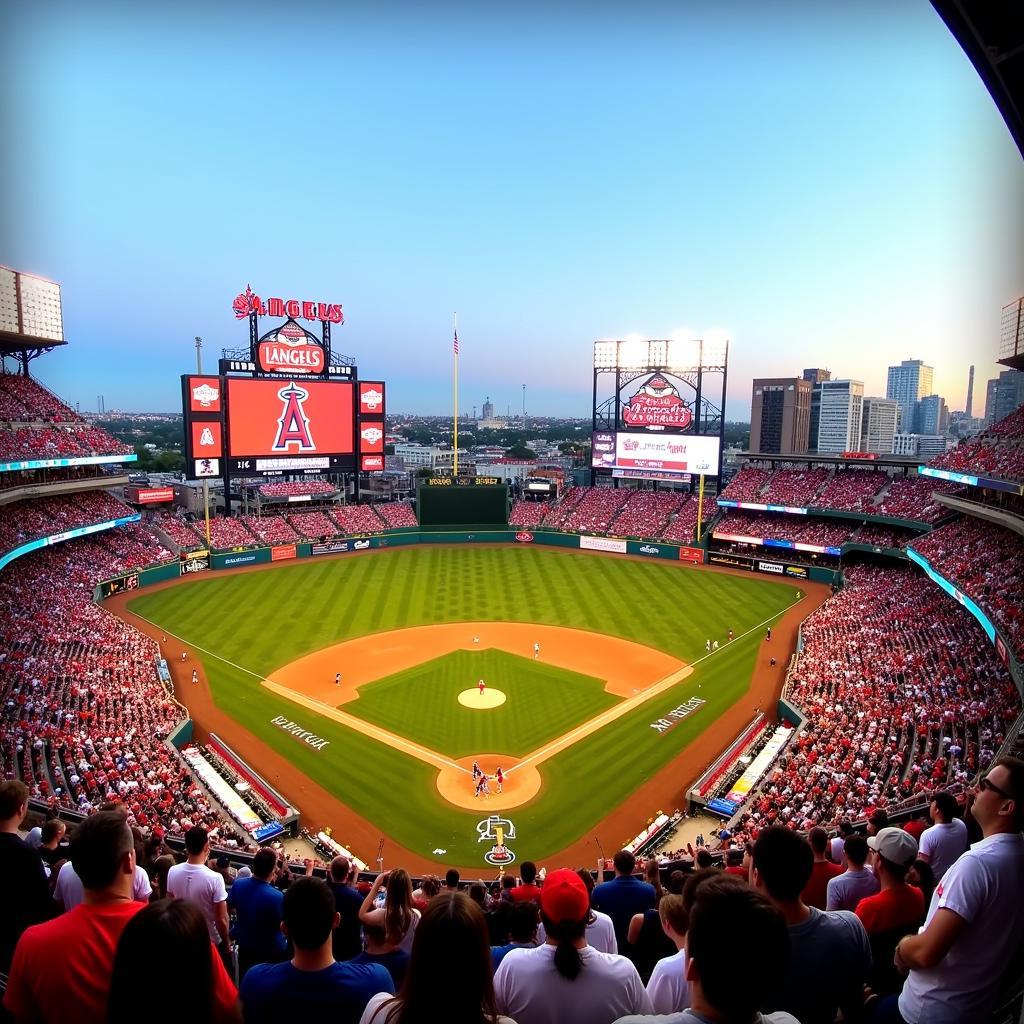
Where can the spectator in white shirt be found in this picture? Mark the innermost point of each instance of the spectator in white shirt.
(946, 840)
(194, 881)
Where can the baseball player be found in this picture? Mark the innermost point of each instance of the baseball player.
(499, 777)
(480, 686)
(184, 656)
(480, 784)
(337, 679)
(707, 646)
(536, 651)
(476, 771)
(730, 634)
(484, 786)
(195, 676)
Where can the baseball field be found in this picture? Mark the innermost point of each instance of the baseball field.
(377, 659)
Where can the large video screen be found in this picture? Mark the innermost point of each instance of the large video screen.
(287, 425)
(656, 453)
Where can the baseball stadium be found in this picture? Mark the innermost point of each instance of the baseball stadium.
(310, 656)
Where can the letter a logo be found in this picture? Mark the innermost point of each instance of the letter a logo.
(293, 426)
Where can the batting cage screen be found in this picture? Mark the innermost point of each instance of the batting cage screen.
(441, 502)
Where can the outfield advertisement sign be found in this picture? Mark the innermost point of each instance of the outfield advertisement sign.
(231, 561)
(282, 552)
(86, 460)
(692, 555)
(673, 454)
(756, 506)
(603, 544)
(58, 538)
(330, 547)
(731, 561)
(774, 567)
(119, 584)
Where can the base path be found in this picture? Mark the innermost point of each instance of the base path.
(629, 669)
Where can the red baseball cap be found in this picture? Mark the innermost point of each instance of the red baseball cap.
(564, 896)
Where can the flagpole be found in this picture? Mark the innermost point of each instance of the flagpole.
(455, 460)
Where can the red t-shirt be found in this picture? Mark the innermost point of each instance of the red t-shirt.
(61, 968)
(901, 906)
(523, 893)
(814, 894)
(739, 871)
(915, 828)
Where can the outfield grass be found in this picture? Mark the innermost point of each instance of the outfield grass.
(542, 702)
(257, 622)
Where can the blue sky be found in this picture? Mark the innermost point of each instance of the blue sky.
(828, 184)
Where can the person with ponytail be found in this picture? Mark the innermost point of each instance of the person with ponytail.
(566, 981)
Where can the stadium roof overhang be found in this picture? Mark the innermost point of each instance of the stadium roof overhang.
(831, 459)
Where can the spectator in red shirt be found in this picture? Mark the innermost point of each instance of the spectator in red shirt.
(897, 905)
(61, 969)
(815, 891)
(527, 888)
(734, 864)
(170, 932)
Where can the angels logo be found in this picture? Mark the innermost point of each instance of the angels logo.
(657, 404)
(205, 395)
(206, 438)
(245, 303)
(293, 426)
(372, 399)
(290, 350)
(371, 435)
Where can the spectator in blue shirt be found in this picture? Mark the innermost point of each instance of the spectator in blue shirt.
(312, 985)
(257, 905)
(623, 896)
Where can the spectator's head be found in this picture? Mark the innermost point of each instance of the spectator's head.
(565, 908)
(652, 875)
(264, 864)
(942, 809)
(999, 803)
(522, 920)
(676, 881)
(528, 872)
(398, 905)
(166, 933)
(922, 875)
(103, 853)
(783, 862)
(845, 828)
(818, 838)
(674, 917)
(895, 850)
(625, 862)
(704, 858)
(878, 820)
(451, 878)
(309, 914)
(13, 804)
(451, 942)
(430, 886)
(53, 833)
(856, 850)
(725, 906)
(478, 894)
(197, 843)
(340, 869)
(733, 858)
(587, 877)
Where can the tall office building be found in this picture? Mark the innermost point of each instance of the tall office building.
(932, 415)
(878, 425)
(840, 411)
(780, 415)
(487, 412)
(969, 410)
(1004, 395)
(816, 375)
(908, 383)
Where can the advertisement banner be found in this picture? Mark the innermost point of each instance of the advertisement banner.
(1004, 654)
(248, 558)
(667, 452)
(207, 440)
(649, 550)
(149, 495)
(371, 397)
(693, 555)
(119, 585)
(371, 463)
(797, 571)
(371, 436)
(775, 567)
(282, 552)
(198, 561)
(330, 547)
(204, 394)
(731, 561)
(603, 544)
(524, 537)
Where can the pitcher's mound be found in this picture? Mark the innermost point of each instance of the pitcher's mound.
(475, 699)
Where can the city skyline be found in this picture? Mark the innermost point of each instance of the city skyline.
(827, 187)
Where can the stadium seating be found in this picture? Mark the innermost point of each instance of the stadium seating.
(997, 452)
(294, 488)
(313, 525)
(269, 529)
(25, 400)
(986, 562)
(596, 509)
(796, 487)
(851, 490)
(911, 498)
(357, 519)
(681, 527)
(397, 514)
(528, 513)
(746, 485)
(226, 532)
(903, 694)
(26, 443)
(24, 521)
(646, 513)
(796, 528)
(179, 530)
(882, 536)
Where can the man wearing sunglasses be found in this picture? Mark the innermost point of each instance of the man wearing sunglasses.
(973, 926)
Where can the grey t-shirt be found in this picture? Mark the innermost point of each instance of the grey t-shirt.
(829, 959)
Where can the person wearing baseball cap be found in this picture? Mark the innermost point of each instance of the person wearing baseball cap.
(566, 981)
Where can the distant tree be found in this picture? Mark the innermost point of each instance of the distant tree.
(520, 451)
(424, 472)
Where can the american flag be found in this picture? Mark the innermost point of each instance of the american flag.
(456, 345)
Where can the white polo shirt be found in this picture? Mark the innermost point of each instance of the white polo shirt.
(203, 887)
(942, 844)
(986, 888)
(600, 934)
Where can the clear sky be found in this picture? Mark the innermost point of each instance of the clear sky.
(828, 183)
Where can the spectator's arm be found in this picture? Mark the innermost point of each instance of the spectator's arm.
(223, 922)
(636, 924)
(367, 910)
(928, 948)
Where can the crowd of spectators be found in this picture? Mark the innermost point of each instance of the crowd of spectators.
(592, 511)
(24, 521)
(881, 536)
(997, 452)
(526, 514)
(778, 526)
(910, 497)
(646, 513)
(269, 529)
(24, 444)
(179, 529)
(747, 484)
(313, 525)
(681, 527)
(851, 490)
(986, 562)
(796, 487)
(226, 532)
(24, 400)
(295, 488)
(902, 694)
(358, 519)
(397, 514)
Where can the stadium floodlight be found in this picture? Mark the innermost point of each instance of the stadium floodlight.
(683, 352)
(633, 354)
(605, 355)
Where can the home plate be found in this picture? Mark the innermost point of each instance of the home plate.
(490, 698)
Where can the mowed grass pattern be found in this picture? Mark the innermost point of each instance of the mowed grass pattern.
(259, 621)
(542, 703)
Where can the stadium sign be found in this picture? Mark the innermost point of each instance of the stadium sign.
(676, 715)
(524, 537)
(656, 405)
(290, 349)
(296, 730)
(247, 303)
